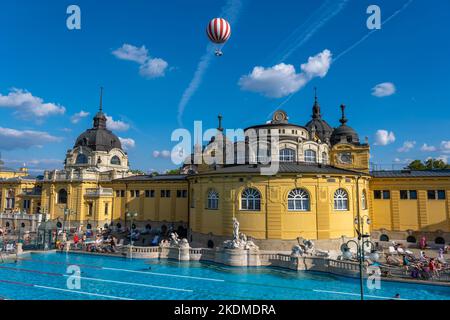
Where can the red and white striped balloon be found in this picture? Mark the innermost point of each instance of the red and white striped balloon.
(218, 30)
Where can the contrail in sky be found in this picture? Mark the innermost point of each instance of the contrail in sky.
(331, 10)
(230, 12)
(406, 5)
(367, 35)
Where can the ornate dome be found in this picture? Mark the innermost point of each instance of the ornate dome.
(317, 124)
(344, 132)
(99, 138)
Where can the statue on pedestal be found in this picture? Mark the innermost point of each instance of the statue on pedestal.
(240, 240)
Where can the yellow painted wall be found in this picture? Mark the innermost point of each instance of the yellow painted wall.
(422, 214)
(274, 220)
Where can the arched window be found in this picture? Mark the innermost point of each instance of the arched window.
(310, 156)
(363, 200)
(298, 200)
(81, 159)
(213, 200)
(115, 160)
(62, 196)
(287, 155)
(251, 200)
(341, 200)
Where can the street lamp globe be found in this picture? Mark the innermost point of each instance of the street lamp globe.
(347, 254)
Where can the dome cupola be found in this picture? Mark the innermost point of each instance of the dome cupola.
(99, 138)
(321, 128)
(344, 133)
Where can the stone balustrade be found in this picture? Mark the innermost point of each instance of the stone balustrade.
(99, 192)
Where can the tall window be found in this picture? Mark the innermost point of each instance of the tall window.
(310, 156)
(324, 158)
(62, 196)
(192, 199)
(287, 155)
(90, 209)
(81, 159)
(213, 200)
(341, 200)
(298, 200)
(10, 199)
(115, 160)
(251, 200)
(363, 200)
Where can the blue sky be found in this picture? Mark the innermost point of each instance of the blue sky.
(49, 73)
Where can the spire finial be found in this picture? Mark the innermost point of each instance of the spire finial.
(220, 122)
(343, 119)
(316, 107)
(101, 99)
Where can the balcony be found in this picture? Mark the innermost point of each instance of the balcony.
(99, 192)
(32, 192)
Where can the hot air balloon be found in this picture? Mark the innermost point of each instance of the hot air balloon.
(218, 31)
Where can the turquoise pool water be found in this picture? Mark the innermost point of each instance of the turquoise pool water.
(44, 276)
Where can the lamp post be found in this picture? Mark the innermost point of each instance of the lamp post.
(131, 215)
(360, 256)
(359, 223)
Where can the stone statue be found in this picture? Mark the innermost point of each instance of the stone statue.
(184, 243)
(297, 251)
(174, 239)
(235, 229)
(240, 240)
(176, 242)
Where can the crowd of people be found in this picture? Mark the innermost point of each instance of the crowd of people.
(423, 266)
(102, 241)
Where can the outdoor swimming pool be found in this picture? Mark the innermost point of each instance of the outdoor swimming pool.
(44, 276)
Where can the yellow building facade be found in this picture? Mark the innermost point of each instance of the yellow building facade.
(323, 183)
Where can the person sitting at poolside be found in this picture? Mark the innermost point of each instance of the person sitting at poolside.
(423, 243)
(415, 272)
(433, 268)
(423, 257)
(406, 263)
(440, 256)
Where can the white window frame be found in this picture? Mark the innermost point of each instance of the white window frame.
(250, 200)
(298, 200)
(341, 202)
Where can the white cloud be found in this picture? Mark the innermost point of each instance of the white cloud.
(445, 146)
(11, 139)
(127, 143)
(407, 146)
(149, 67)
(116, 125)
(404, 161)
(384, 137)
(27, 106)
(161, 154)
(427, 148)
(165, 153)
(384, 89)
(78, 116)
(131, 53)
(443, 157)
(282, 79)
(153, 68)
(156, 154)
